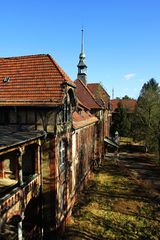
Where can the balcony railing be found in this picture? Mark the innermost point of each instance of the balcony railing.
(17, 199)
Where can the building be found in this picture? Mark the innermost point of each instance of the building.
(51, 131)
(96, 99)
(103, 98)
(128, 104)
(37, 99)
(82, 67)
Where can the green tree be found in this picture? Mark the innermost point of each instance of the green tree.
(147, 122)
(126, 97)
(121, 122)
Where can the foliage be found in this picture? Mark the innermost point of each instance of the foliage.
(126, 97)
(121, 121)
(150, 85)
(147, 121)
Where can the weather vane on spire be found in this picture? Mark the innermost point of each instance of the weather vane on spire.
(82, 41)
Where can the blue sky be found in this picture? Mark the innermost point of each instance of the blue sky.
(122, 38)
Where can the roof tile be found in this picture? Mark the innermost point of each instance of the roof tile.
(85, 96)
(35, 78)
(83, 119)
(128, 104)
(100, 94)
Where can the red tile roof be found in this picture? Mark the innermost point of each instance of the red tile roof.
(85, 96)
(33, 80)
(82, 105)
(83, 119)
(100, 94)
(128, 104)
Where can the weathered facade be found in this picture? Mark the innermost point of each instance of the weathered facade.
(103, 99)
(36, 103)
(51, 129)
(96, 99)
(20, 180)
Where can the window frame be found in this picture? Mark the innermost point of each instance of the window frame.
(66, 109)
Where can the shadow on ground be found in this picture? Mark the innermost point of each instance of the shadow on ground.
(115, 205)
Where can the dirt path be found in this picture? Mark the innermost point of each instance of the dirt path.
(118, 203)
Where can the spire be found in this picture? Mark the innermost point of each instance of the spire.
(82, 42)
(81, 65)
(112, 93)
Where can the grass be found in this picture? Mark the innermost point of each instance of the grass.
(114, 206)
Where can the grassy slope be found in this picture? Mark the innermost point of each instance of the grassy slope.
(114, 207)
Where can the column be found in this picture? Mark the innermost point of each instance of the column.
(20, 172)
(20, 227)
(38, 158)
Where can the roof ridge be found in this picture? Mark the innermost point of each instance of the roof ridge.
(22, 56)
(93, 83)
(124, 100)
(61, 71)
(99, 84)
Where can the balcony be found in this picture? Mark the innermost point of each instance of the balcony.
(15, 198)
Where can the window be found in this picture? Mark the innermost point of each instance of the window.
(66, 110)
(62, 153)
(28, 161)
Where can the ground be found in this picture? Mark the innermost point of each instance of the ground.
(122, 201)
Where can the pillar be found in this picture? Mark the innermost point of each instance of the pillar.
(20, 227)
(20, 172)
(20, 235)
(38, 157)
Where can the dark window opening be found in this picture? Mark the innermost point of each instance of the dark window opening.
(66, 111)
(28, 162)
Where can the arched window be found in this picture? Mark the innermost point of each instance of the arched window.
(66, 110)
